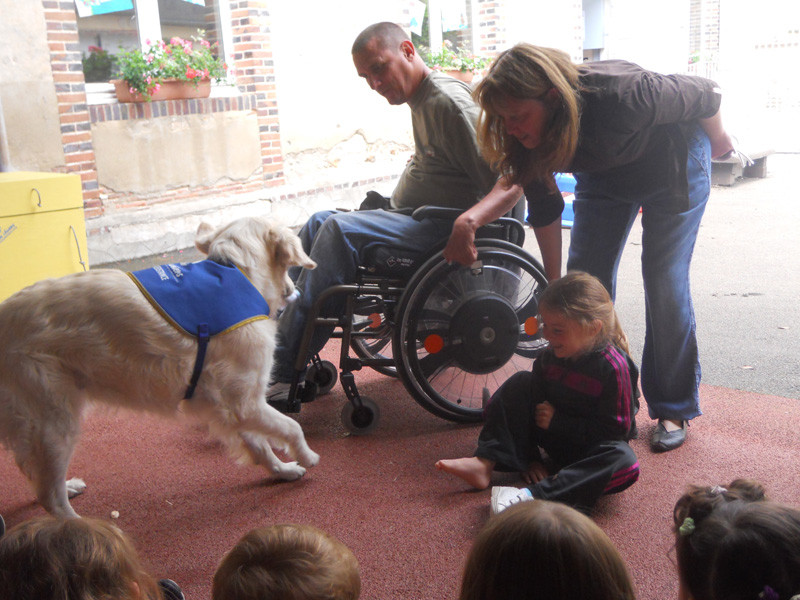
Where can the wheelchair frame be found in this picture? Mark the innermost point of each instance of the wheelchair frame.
(442, 302)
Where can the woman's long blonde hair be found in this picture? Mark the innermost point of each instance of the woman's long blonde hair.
(581, 297)
(528, 72)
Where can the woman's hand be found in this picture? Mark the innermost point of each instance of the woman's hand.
(721, 146)
(461, 245)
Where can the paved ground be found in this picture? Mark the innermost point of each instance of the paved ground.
(745, 280)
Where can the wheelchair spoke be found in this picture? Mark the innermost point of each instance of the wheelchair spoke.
(431, 364)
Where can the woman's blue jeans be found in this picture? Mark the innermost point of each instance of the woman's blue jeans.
(670, 365)
(338, 242)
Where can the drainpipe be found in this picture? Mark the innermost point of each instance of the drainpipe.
(5, 157)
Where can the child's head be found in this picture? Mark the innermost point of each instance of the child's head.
(758, 554)
(543, 550)
(697, 535)
(579, 298)
(89, 559)
(287, 562)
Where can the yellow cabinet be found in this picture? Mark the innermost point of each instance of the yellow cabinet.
(42, 229)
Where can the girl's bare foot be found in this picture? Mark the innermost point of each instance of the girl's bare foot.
(474, 470)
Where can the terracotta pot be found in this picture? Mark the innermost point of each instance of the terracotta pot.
(465, 76)
(171, 89)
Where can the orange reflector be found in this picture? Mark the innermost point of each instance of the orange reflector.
(375, 320)
(531, 325)
(434, 343)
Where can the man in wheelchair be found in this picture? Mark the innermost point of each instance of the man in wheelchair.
(447, 170)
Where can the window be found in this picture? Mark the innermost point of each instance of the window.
(455, 19)
(105, 26)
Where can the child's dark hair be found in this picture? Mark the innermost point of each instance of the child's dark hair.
(581, 297)
(697, 535)
(758, 554)
(287, 562)
(90, 559)
(544, 550)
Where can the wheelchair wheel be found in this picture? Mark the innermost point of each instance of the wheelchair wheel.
(363, 419)
(462, 331)
(323, 374)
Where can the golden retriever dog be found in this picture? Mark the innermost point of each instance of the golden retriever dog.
(94, 337)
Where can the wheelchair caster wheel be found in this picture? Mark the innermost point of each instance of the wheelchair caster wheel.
(324, 375)
(361, 420)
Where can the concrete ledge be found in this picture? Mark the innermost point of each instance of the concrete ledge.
(726, 172)
(121, 235)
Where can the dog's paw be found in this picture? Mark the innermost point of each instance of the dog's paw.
(308, 458)
(75, 487)
(290, 471)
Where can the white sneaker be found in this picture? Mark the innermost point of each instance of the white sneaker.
(503, 497)
(278, 392)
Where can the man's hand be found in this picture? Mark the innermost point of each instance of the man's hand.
(461, 245)
(544, 412)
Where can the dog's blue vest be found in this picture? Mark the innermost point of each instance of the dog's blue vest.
(201, 299)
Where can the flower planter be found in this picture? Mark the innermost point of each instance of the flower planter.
(171, 89)
(465, 76)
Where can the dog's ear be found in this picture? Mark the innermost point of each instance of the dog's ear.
(288, 250)
(205, 235)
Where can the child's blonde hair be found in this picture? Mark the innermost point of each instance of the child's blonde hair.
(287, 562)
(72, 559)
(581, 297)
(544, 550)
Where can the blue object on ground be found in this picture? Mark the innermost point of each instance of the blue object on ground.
(566, 185)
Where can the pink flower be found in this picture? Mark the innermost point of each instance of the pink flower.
(149, 58)
(205, 44)
(95, 49)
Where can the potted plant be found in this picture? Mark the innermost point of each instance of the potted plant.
(98, 65)
(458, 62)
(163, 71)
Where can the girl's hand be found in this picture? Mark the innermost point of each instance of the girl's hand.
(535, 473)
(544, 414)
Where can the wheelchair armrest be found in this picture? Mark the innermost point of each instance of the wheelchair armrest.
(507, 228)
(436, 212)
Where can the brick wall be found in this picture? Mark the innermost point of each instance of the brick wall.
(255, 73)
(251, 57)
(76, 136)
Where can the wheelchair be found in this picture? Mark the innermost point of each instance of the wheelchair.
(452, 334)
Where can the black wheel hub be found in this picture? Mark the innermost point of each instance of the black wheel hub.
(484, 333)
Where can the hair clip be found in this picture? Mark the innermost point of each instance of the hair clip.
(687, 527)
(718, 489)
(768, 594)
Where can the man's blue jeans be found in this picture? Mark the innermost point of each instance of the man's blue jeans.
(670, 365)
(338, 242)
